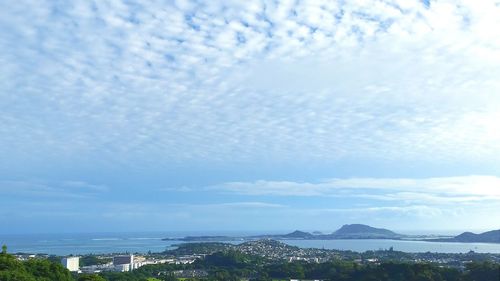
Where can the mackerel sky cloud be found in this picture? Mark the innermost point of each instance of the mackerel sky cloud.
(287, 108)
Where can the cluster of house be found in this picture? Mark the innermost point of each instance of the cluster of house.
(121, 263)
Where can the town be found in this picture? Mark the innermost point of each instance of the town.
(188, 253)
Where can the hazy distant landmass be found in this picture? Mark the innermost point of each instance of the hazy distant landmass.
(299, 234)
(469, 237)
(361, 231)
(348, 231)
(352, 231)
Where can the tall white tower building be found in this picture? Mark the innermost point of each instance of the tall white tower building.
(71, 263)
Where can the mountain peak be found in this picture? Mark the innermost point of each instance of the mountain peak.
(298, 234)
(363, 231)
(486, 237)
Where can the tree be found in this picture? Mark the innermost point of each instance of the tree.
(10, 263)
(263, 277)
(10, 275)
(43, 269)
(169, 277)
(90, 277)
(482, 271)
(4, 249)
(11, 269)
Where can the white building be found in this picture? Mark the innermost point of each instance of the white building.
(71, 263)
(91, 269)
(119, 260)
(122, 267)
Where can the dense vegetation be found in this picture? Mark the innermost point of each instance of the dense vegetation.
(32, 270)
(235, 266)
(232, 265)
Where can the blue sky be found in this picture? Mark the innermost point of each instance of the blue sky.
(249, 115)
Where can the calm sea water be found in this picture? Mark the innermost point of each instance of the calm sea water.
(65, 244)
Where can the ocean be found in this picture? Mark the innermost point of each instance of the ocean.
(142, 242)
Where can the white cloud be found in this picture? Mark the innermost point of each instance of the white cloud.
(413, 211)
(232, 81)
(42, 189)
(433, 191)
(257, 205)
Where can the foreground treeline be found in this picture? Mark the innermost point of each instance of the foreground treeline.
(236, 266)
(31, 270)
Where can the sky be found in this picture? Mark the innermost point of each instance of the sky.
(127, 115)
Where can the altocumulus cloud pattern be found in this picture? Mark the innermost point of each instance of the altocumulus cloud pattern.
(225, 79)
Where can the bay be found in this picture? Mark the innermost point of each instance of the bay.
(409, 246)
(142, 242)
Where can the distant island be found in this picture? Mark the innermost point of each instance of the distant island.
(351, 231)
